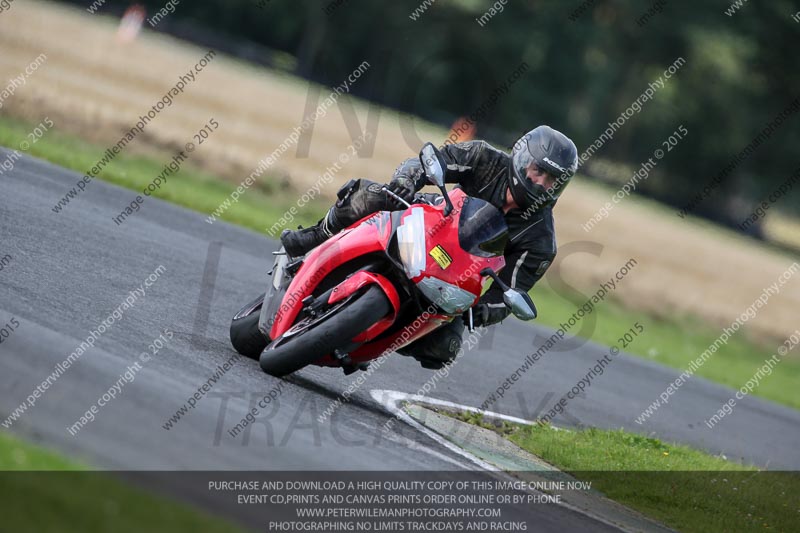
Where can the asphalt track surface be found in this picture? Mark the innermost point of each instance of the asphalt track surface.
(70, 270)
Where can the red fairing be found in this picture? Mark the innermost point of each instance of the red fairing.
(445, 258)
(416, 330)
(460, 268)
(370, 234)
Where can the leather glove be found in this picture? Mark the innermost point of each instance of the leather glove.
(404, 188)
(480, 315)
(483, 315)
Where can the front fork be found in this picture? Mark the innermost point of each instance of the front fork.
(279, 279)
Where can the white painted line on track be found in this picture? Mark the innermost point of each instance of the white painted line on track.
(390, 400)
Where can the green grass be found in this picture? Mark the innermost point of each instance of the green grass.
(674, 343)
(681, 487)
(258, 208)
(16, 455)
(45, 492)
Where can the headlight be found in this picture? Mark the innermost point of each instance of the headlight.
(452, 299)
(411, 242)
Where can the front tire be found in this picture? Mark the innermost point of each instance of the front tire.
(290, 353)
(246, 338)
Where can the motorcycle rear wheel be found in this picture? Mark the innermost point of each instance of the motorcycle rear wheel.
(312, 338)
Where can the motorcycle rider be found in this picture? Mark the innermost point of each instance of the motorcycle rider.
(524, 185)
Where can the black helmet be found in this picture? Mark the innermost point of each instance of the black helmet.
(553, 152)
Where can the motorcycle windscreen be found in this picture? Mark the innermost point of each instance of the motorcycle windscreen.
(482, 230)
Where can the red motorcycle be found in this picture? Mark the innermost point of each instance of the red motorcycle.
(379, 285)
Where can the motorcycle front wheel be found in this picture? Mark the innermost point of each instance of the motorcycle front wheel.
(313, 337)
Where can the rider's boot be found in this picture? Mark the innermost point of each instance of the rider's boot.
(355, 199)
(438, 348)
(299, 242)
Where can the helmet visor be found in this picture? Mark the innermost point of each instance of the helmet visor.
(521, 160)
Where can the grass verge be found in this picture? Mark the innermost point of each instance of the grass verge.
(681, 487)
(45, 492)
(674, 343)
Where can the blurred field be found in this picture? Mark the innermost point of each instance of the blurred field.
(93, 86)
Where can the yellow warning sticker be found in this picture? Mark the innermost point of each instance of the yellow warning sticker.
(441, 257)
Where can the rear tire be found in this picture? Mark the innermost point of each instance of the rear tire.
(287, 355)
(246, 338)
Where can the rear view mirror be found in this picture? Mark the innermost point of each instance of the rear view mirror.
(520, 304)
(518, 301)
(433, 163)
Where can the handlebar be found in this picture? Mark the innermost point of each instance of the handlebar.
(420, 200)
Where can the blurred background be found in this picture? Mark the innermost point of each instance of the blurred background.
(588, 61)
(577, 66)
